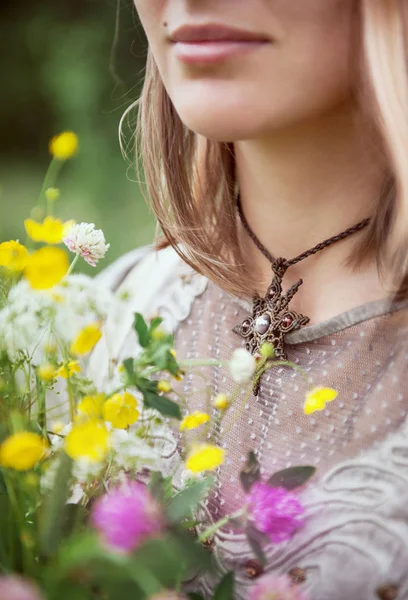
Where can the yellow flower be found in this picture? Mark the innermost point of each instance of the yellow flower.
(91, 406)
(173, 353)
(317, 399)
(164, 386)
(121, 410)
(221, 402)
(46, 372)
(13, 255)
(205, 457)
(22, 451)
(86, 339)
(66, 371)
(194, 420)
(87, 439)
(52, 194)
(50, 231)
(64, 145)
(46, 267)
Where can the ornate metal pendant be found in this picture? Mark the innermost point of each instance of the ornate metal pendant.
(271, 319)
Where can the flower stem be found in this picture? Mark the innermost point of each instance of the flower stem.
(50, 178)
(198, 362)
(216, 526)
(72, 265)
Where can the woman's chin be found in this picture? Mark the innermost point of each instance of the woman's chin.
(222, 125)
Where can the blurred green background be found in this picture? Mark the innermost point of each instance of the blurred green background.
(71, 65)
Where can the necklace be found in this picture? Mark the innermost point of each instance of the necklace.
(272, 319)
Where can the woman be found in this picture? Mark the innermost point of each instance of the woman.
(268, 127)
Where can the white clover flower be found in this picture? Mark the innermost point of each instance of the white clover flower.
(242, 366)
(86, 241)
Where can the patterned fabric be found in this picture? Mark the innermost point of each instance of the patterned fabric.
(354, 544)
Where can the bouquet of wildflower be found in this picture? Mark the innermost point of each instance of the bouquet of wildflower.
(87, 508)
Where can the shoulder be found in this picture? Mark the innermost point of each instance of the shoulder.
(148, 266)
(152, 283)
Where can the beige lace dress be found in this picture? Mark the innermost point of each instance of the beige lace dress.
(354, 545)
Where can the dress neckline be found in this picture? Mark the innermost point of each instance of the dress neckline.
(353, 316)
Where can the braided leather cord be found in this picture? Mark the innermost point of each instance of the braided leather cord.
(300, 257)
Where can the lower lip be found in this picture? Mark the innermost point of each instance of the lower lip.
(213, 52)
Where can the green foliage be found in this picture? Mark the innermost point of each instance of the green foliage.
(65, 67)
(55, 515)
(225, 589)
(292, 478)
(183, 503)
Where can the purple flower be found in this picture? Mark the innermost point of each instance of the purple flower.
(14, 587)
(271, 587)
(274, 511)
(127, 516)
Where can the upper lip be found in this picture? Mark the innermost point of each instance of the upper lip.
(214, 32)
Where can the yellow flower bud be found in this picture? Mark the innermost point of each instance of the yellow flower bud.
(46, 372)
(52, 194)
(64, 145)
(179, 376)
(163, 386)
(267, 350)
(158, 334)
(221, 402)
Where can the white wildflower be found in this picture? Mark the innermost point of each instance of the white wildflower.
(242, 366)
(131, 452)
(86, 241)
(77, 493)
(85, 470)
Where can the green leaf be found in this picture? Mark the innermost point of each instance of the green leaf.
(67, 590)
(160, 487)
(74, 518)
(250, 473)
(193, 596)
(292, 478)
(142, 330)
(184, 502)
(226, 588)
(129, 366)
(55, 511)
(155, 323)
(256, 540)
(163, 405)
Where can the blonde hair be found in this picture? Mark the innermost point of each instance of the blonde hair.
(190, 180)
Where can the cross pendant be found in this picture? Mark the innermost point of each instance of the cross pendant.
(271, 318)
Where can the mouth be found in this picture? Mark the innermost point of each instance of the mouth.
(208, 44)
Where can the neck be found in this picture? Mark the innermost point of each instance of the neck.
(303, 185)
